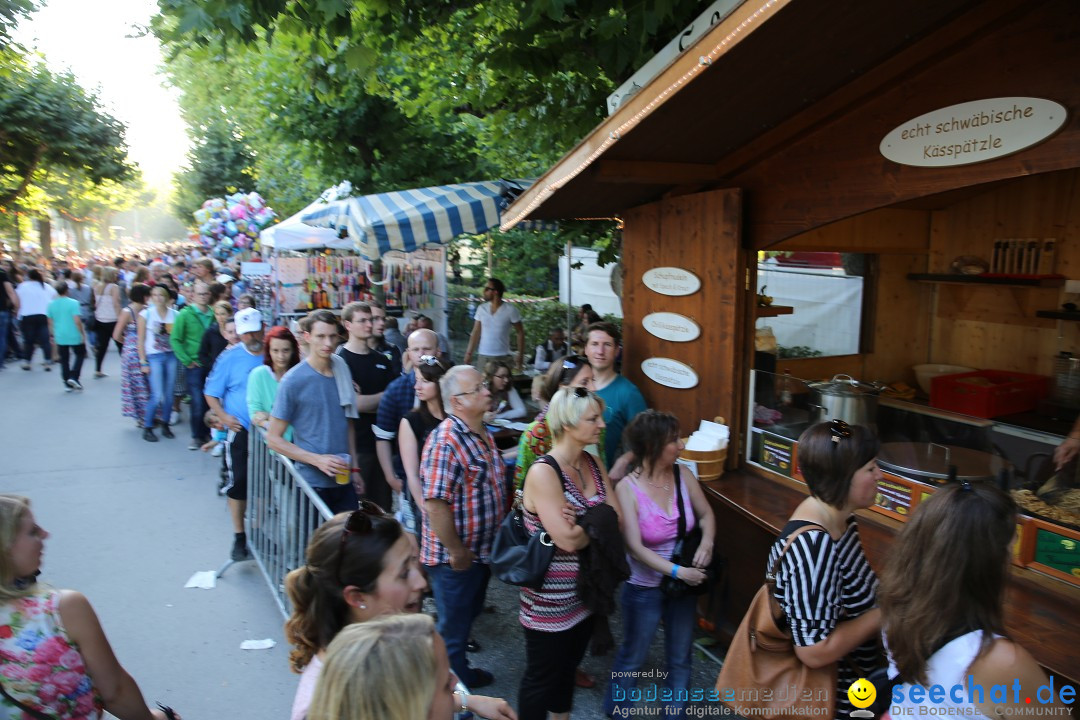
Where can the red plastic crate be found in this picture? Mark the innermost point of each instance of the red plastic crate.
(988, 393)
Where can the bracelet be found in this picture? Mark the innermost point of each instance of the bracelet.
(464, 703)
(675, 571)
(354, 469)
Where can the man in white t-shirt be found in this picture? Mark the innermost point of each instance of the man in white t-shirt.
(491, 331)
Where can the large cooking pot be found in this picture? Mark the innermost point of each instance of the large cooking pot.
(844, 398)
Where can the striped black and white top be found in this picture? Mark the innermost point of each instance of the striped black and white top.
(821, 582)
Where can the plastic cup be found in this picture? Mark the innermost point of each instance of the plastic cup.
(342, 478)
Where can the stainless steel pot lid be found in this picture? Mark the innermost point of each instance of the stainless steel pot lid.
(931, 460)
(844, 385)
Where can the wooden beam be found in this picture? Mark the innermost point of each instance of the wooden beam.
(655, 173)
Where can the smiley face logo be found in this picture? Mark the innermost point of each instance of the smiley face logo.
(862, 693)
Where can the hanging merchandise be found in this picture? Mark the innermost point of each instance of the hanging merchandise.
(411, 285)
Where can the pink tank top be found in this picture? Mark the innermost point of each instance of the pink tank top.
(658, 531)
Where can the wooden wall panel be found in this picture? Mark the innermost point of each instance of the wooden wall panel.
(700, 233)
(995, 327)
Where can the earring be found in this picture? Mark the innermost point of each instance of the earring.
(363, 606)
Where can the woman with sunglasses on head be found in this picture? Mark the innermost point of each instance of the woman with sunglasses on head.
(57, 662)
(391, 668)
(650, 495)
(941, 600)
(559, 488)
(413, 432)
(570, 371)
(360, 566)
(506, 402)
(824, 583)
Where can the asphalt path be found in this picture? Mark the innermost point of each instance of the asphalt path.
(131, 521)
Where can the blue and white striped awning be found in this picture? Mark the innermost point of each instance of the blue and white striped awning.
(406, 220)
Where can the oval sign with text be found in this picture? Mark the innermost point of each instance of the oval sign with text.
(973, 132)
(670, 373)
(671, 281)
(671, 326)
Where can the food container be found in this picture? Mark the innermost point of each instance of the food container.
(844, 398)
(989, 393)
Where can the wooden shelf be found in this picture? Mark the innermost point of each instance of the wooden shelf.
(1059, 314)
(773, 310)
(957, 279)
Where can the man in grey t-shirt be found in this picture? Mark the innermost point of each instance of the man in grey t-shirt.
(308, 399)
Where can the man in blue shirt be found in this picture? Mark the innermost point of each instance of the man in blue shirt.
(622, 398)
(226, 395)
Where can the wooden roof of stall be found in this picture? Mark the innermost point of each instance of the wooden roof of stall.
(755, 114)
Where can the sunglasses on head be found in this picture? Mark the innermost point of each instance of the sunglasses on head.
(839, 430)
(570, 364)
(359, 522)
(430, 361)
(581, 392)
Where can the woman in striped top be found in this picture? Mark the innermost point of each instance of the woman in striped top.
(559, 488)
(824, 583)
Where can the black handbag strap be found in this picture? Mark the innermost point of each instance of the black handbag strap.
(32, 712)
(679, 502)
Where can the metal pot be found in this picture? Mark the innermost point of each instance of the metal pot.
(845, 398)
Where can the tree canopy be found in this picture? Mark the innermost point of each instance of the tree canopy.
(49, 123)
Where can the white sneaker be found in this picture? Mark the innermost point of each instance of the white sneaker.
(218, 449)
(174, 418)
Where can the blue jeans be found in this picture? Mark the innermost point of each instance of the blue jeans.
(162, 380)
(642, 610)
(196, 378)
(459, 598)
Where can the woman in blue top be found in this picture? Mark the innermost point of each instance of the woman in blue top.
(281, 353)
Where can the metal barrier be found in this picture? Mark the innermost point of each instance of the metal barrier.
(282, 514)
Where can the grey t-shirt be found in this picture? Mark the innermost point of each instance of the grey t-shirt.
(309, 401)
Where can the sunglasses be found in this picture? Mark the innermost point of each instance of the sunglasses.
(582, 392)
(359, 522)
(430, 361)
(570, 364)
(839, 430)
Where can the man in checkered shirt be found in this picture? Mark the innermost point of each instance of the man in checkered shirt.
(465, 499)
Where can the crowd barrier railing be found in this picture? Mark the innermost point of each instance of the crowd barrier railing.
(282, 514)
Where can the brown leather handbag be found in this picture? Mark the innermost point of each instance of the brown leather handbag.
(762, 675)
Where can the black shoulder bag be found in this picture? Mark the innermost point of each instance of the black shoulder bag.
(686, 545)
(518, 558)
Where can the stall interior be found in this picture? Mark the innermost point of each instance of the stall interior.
(1002, 344)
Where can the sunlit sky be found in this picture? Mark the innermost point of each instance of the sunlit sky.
(88, 37)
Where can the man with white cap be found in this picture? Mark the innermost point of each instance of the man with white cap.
(226, 394)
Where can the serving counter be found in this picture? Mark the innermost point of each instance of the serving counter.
(1041, 612)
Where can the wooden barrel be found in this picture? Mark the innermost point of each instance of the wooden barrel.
(710, 463)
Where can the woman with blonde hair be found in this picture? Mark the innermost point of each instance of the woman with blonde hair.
(564, 484)
(941, 599)
(391, 668)
(360, 566)
(57, 662)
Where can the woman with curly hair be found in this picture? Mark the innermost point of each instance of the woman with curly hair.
(360, 566)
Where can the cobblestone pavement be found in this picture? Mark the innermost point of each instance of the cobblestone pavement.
(131, 521)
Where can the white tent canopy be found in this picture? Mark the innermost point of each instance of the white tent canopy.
(292, 234)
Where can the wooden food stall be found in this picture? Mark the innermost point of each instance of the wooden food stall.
(918, 135)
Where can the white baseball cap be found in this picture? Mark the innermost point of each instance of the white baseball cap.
(248, 320)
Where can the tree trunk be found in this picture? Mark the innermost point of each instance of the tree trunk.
(79, 229)
(45, 237)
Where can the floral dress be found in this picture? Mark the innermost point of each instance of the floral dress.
(40, 666)
(134, 389)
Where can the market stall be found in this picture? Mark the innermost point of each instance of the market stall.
(915, 149)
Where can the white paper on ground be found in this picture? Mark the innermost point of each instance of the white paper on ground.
(204, 580)
(257, 644)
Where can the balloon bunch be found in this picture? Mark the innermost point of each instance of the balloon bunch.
(231, 224)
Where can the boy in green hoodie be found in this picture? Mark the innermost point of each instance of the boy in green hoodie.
(187, 333)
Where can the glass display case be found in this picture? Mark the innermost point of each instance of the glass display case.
(922, 446)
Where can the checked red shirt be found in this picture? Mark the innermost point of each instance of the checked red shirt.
(464, 469)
